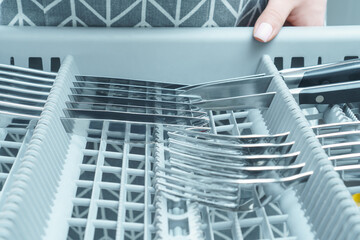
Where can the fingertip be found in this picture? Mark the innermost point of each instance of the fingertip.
(263, 32)
(271, 20)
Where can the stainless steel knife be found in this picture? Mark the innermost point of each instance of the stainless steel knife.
(324, 94)
(135, 117)
(131, 101)
(305, 77)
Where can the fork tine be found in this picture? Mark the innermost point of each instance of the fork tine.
(234, 167)
(24, 84)
(223, 145)
(225, 205)
(229, 157)
(44, 81)
(242, 139)
(27, 71)
(180, 184)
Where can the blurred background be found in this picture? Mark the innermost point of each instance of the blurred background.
(343, 12)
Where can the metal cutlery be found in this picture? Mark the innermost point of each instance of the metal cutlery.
(255, 154)
(131, 82)
(228, 190)
(132, 94)
(23, 93)
(136, 117)
(229, 147)
(230, 194)
(127, 87)
(24, 85)
(295, 78)
(131, 101)
(43, 81)
(135, 109)
(27, 71)
(324, 94)
(245, 166)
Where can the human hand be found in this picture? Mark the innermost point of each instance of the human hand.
(288, 12)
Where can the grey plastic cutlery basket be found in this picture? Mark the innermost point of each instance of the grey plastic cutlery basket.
(57, 186)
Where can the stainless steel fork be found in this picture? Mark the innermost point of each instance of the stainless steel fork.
(195, 167)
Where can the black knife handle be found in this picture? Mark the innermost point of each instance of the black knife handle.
(332, 74)
(331, 94)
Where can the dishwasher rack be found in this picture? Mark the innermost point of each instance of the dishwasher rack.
(100, 186)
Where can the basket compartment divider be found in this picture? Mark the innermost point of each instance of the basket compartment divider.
(324, 196)
(26, 206)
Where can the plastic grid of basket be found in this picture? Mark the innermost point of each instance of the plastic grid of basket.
(150, 217)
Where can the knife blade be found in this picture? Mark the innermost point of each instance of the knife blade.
(130, 93)
(288, 73)
(306, 77)
(134, 109)
(134, 82)
(324, 94)
(131, 101)
(127, 87)
(136, 117)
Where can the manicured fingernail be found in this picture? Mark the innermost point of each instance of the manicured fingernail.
(263, 32)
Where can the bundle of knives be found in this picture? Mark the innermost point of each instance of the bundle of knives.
(24, 93)
(171, 104)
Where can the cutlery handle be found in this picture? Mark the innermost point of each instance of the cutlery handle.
(330, 94)
(331, 74)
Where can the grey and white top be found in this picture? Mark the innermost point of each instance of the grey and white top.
(131, 13)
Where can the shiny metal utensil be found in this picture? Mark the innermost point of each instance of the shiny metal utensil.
(223, 158)
(8, 115)
(333, 129)
(24, 85)
(226, 147)
(135, 109)
(13, 108)
(242, 159)
(132, 94)
(212, 142)
(41, 81)
(255, 163)
(27, 71)
(339, 72)
(225, 193)
(241, 139)
(134, 82)
(21, 92)
(132, 101)
(136, 117)
(204, 161)
(324, 94)
(336, 127)
(127, 87)
(287, 74)
(22, 100)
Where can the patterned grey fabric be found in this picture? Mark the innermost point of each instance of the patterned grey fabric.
(131, 13)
